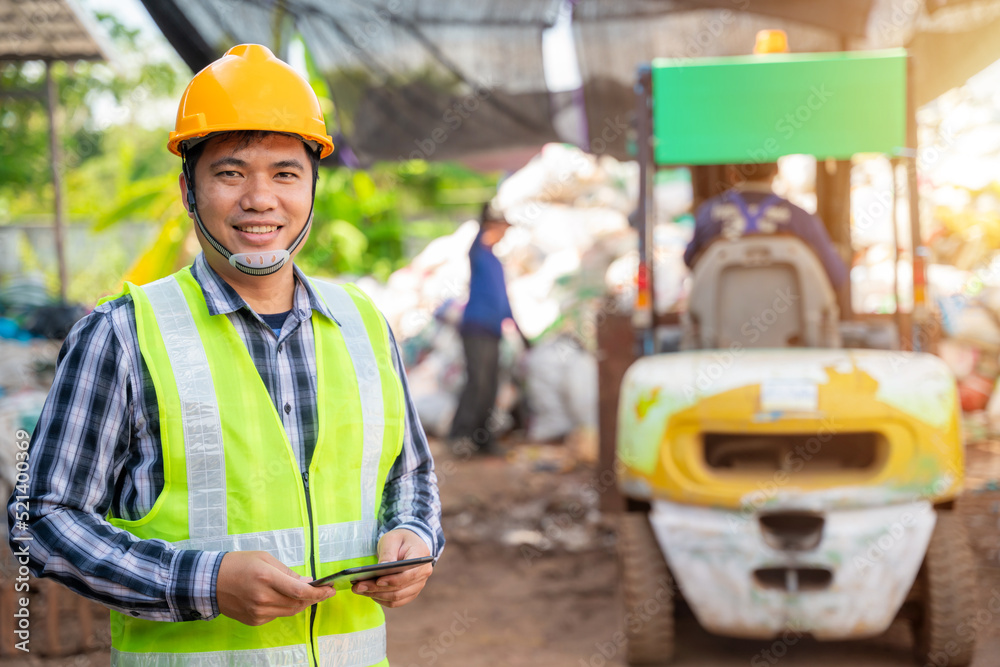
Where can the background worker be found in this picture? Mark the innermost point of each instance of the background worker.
(482, 329)
(215, 440)
(752, 207)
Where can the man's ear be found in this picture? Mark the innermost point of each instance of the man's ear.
(182, 182)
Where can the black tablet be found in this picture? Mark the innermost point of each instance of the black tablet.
(342, 580)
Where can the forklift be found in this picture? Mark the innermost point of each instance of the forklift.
(786, 468)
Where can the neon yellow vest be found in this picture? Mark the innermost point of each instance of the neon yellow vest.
(231, 481)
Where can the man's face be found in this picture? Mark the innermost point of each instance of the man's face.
(253, 198)
(493, 232)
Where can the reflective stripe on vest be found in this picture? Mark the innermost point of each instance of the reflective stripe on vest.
(288, 545)
(359, 538)
(266, 657)
(344, 541)
(355, 649)
(206, 462)
(203, 436)
(217, 419)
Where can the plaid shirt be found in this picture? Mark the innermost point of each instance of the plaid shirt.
(96, 451)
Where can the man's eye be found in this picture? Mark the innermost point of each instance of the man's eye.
(287, 174)
(229, 174)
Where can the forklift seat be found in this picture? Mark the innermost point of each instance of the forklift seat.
(761, 290)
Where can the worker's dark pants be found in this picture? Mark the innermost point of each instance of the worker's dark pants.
(482, 366)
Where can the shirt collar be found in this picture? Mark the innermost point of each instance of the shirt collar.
(222, 299)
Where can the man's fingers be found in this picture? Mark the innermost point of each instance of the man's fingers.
(291, 584)
(390, 548)
(398, 589)
(278, 565)
(403, 579)
(254, 588)
(395, 582)
(401, 544)
(292, 587)
(395, 598)
(394, 593)
(269, 612)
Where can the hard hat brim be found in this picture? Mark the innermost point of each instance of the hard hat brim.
(322, 142)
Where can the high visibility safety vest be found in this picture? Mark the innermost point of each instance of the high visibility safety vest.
(232, 481)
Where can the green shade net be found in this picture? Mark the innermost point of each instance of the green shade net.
(751, 109)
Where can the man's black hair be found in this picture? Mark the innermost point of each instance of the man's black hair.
(490, 214)
(243, 138)
(758, 171)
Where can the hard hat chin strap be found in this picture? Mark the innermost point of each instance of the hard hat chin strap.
(262, 263)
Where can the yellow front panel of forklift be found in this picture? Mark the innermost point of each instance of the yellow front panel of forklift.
(810, 429)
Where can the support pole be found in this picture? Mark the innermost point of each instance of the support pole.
(833, 207)
(897, 313)
(55, 159)
(921, 313)
(643, 315)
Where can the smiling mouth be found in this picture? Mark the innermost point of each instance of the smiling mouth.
(256, 229)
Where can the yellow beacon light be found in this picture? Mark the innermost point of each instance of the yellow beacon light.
(771, 41)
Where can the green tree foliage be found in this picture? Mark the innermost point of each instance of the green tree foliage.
(82, 87)
(117, 169)
(372, 222)
(115, 166)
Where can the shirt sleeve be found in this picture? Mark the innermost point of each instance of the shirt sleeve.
(502, 295)
(702, 219)
(410, 498)
(82, 442)
(814, 233)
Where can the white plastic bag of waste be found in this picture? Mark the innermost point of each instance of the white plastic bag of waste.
(561, 388)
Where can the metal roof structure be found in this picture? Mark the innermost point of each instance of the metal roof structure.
(446, 79)
(49, 30)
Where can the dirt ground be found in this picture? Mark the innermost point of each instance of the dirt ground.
(529, 577)
(555, 601)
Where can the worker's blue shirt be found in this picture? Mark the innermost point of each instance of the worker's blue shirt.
(488, 306)
(737, 212)
(275, 321)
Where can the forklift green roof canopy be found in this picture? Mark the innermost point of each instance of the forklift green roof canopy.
(752, 109)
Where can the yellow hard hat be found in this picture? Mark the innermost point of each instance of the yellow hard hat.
(771, 41)
(250, 89)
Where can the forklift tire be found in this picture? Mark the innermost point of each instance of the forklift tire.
(946, 584)
(648, 591)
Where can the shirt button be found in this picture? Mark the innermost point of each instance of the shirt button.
(280, 346)
(195, 614)
(134, 613)
(288, 408)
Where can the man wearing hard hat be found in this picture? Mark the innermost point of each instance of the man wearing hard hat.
(219, 438)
